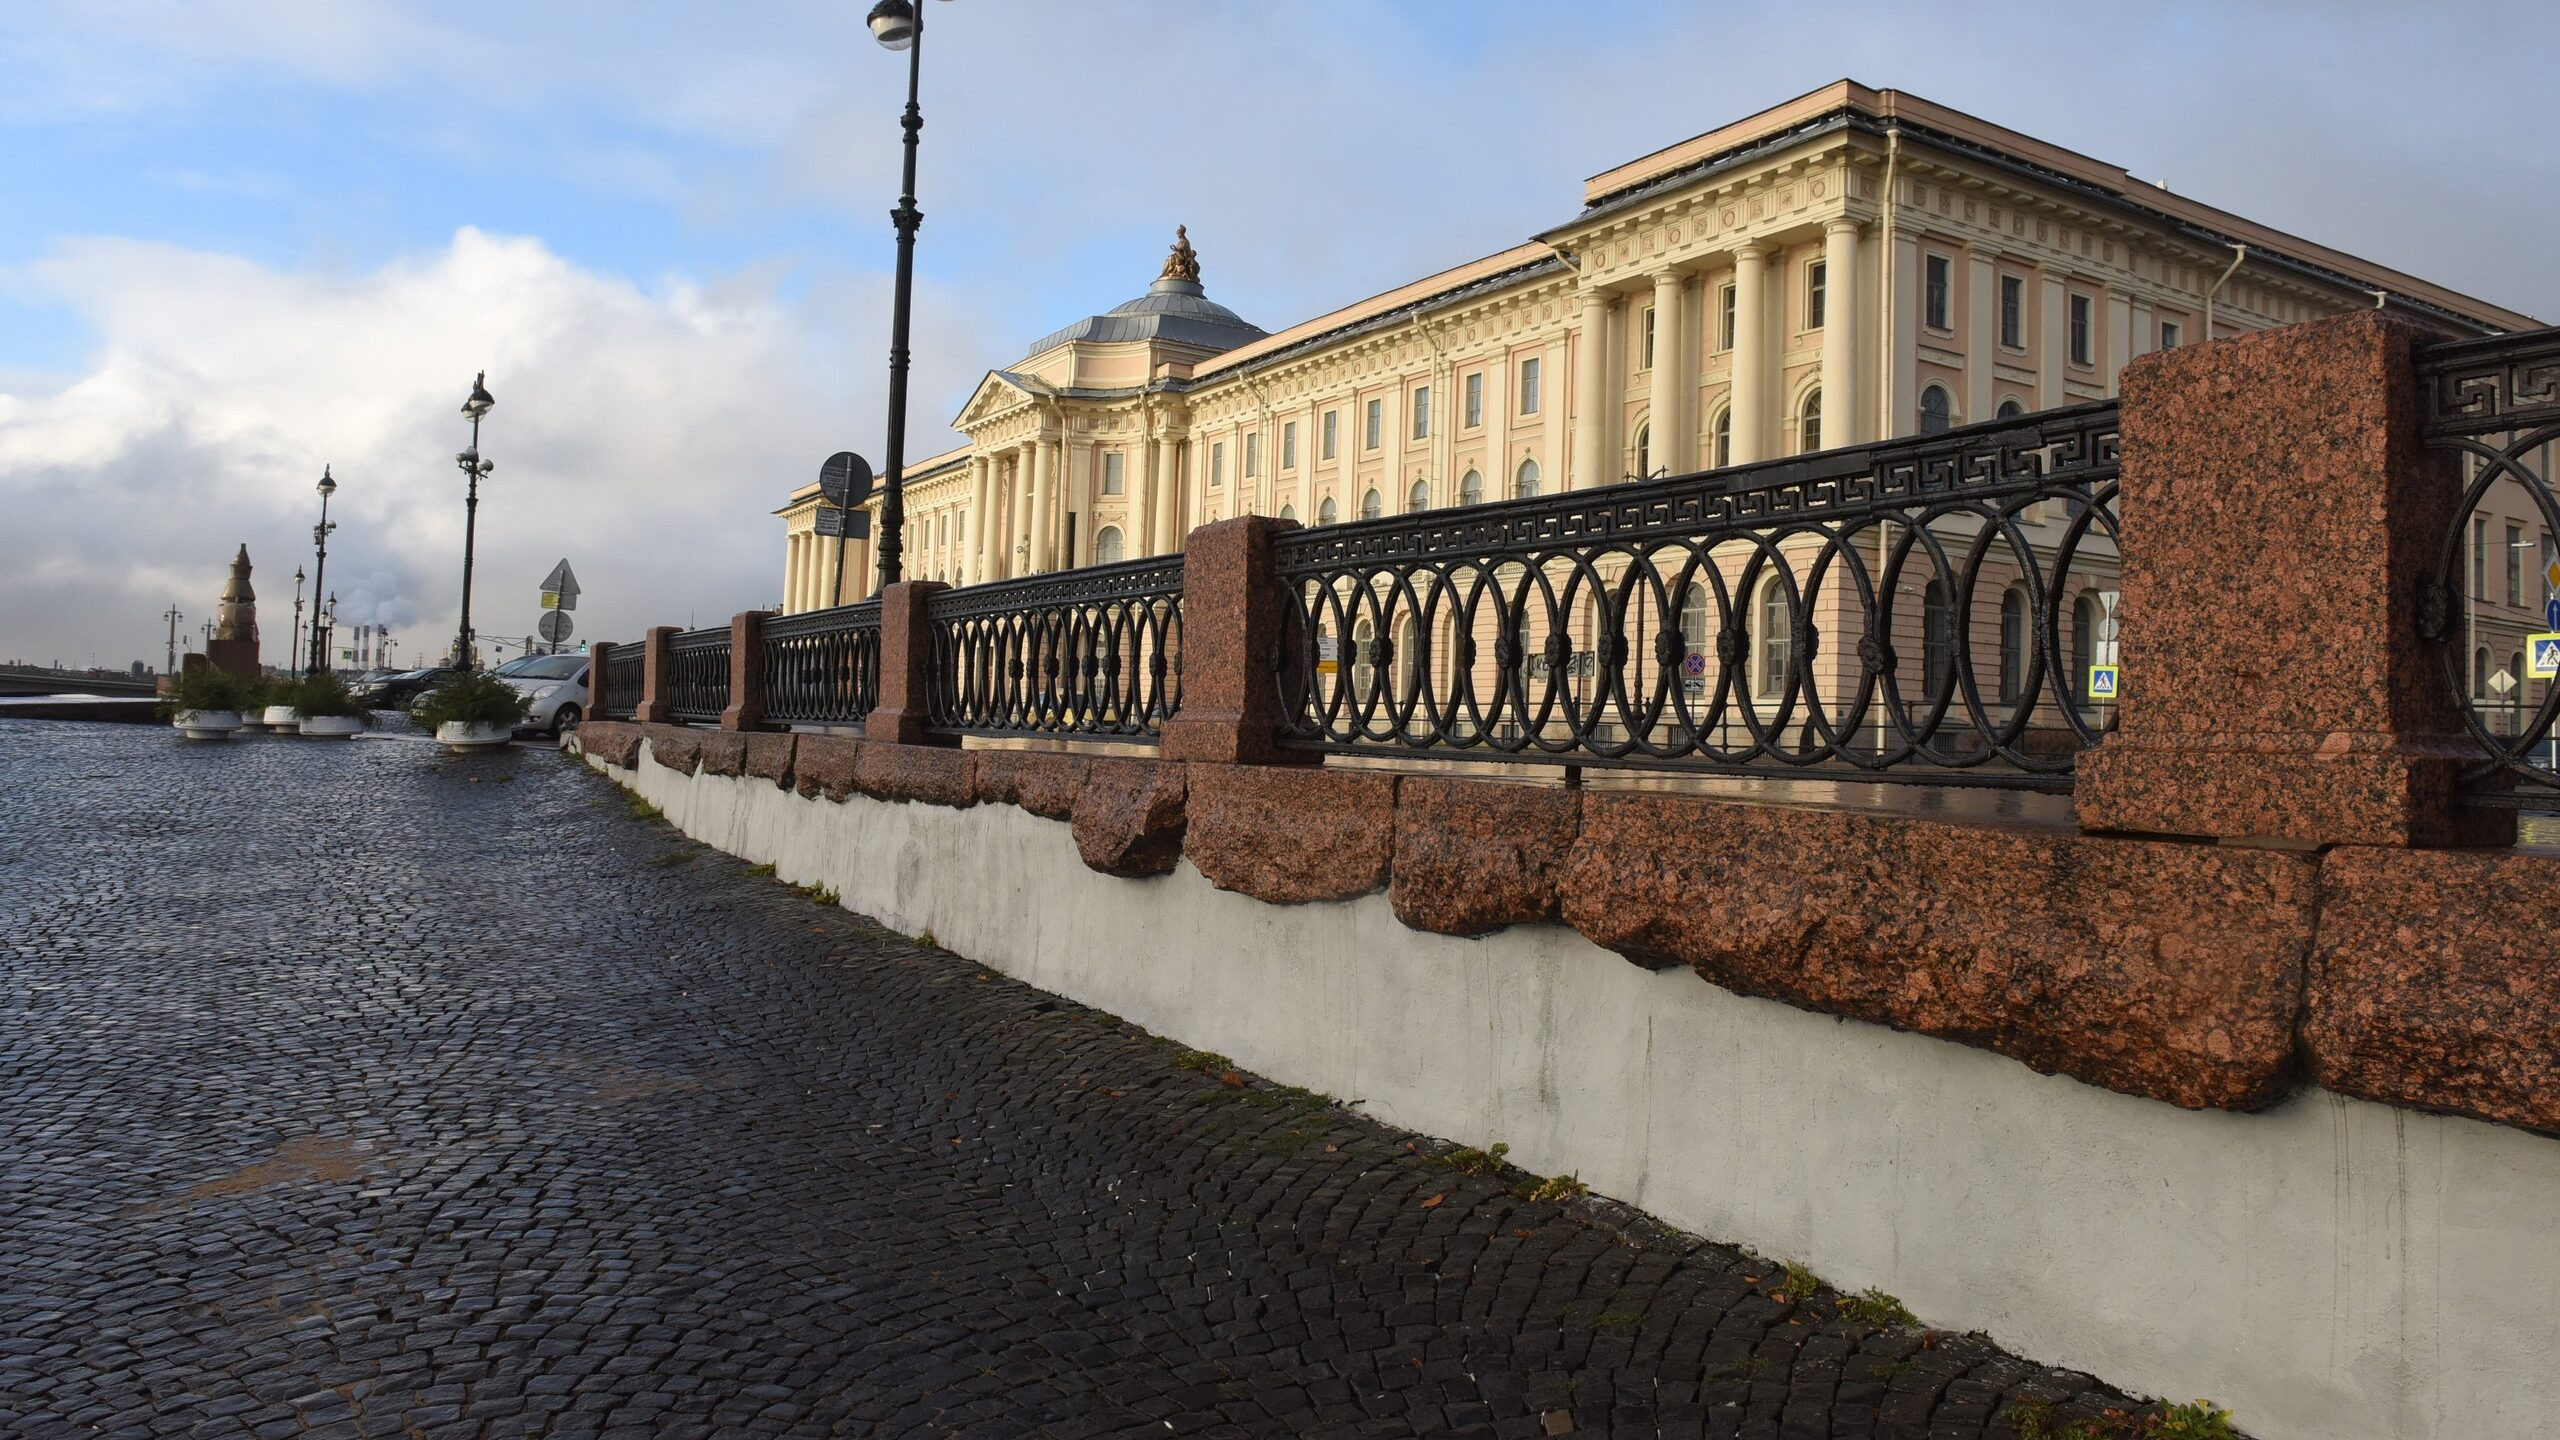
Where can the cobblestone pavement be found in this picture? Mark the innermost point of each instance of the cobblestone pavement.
(356, 1089)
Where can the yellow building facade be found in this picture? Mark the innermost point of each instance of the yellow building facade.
(1854, 265)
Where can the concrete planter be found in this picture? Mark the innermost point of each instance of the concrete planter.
(331, 727)
(462, 736)
(281, 717)
(207, 724)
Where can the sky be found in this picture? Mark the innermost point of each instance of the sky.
(241, 240)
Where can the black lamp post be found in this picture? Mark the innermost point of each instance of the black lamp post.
(473, 468)
(297, 617)
(312, 658)
(899, 25)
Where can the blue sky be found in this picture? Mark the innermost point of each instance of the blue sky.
(243, 238)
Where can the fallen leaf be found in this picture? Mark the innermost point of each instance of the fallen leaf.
(1330, 1149)
(1232, 1080)
(1431, 1203)
(1524, 1234)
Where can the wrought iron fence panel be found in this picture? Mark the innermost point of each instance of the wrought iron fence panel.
(1923, 609)
(625, 667)
(822, 667)
(1093, 652)
(698, 677)
(2494, 405)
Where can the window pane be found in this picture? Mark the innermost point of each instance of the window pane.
(1933, 410)
(1422, 412)
(1817, 285)
(1252, 455)
(1289, 445)
(1524, 482)
(1475, 399)
(2013, 312)
(1376, 424)
(2515, 565)
(1529, 387)
(1218, 463)
(1724, 318)
(1934, 305)
(1646, 362)
(1809, 428)
(1420, 498)
(1330, 416)
(2013, 646)
(1471, 489)
(2081, 340)
(1113, 474)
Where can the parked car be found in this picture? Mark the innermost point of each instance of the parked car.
(555, 686)
(395, 692)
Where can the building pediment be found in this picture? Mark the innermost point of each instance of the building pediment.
(1000, 392)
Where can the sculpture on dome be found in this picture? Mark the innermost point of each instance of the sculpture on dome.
(1184, 262)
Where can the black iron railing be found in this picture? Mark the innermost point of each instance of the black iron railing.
(2495, 403)
(1092, 652)
(822, 667)
(698, 675)
(625, 667)
(1923, 609)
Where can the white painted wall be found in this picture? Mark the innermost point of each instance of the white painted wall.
(2331, 1269)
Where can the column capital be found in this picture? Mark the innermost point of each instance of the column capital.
(1751, 250)
(1843, 225)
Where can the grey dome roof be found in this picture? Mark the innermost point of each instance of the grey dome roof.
(1173, 310)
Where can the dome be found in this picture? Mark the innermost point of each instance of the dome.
(1175, 309)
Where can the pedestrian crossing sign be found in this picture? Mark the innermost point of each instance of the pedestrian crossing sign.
(2542, 655)
(2103, 679)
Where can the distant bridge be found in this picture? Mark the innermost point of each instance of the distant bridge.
(30, 681)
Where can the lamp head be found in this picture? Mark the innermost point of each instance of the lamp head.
(893, 24)
(479, 403)
(328, 485)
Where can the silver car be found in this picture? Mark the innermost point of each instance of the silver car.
(555, 686)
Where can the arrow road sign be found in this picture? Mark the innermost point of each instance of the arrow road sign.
(560, 588)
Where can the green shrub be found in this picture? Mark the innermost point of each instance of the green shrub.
(208, 687)
(320, 693)
(473, 697)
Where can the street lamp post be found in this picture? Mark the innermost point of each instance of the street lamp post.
(296, 662)
(320, 539)
(899, 25)
(332, 632)
(473, 469)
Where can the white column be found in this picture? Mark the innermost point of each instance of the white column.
(1165, 503)
(1751, 357)
(2054, 345)
(1673, 384)
(1044, 504)
(1591, 427)
(1551, 423)
(1018, 531)
(790, 573)
(1902, 347)
(1499, 397)
(981, 517)
(2119, 337)
(1139, 477)
(1844, 420)
(1981, 334)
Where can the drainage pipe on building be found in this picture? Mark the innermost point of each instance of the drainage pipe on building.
(2239, 254)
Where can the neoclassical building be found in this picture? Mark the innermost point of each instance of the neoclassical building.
(1852, 265)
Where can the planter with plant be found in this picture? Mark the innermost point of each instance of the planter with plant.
(276, 694)
(471, 711)
(327, 709)
(206, 704)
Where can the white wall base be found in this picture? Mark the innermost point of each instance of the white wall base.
(2330, 1269)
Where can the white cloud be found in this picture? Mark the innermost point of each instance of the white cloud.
(643, 433)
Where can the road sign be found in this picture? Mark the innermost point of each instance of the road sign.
(2542, 655)
(2104, 680)
(2502, 682)
(560, 588)
(2107, 601)
(2551, 574)
(2551, 613)
(845, 480)
(1695, 665)
(556, 625)
(840, 524)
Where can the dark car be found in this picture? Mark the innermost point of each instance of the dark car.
(396, 692)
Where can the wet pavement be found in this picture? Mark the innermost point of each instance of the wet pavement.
(350, 1088)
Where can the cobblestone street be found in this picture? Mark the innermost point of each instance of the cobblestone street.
(357, 1089)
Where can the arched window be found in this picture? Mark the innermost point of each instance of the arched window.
(1693, 633)
(1288, 511)
(1524, 481)
(1809, 422)
(2480, 673)
(1772, 641)
(2084, 644)
(1937, 639)
(1364, 661)
(1471, 489)
(2010, 409)
(2013, 645)
(1722, 444)
(1107, 545)
(1644, 452)
(1419, 498)
(1326, 514)
(1371, 507)
(1934, 410)
(1408, 654)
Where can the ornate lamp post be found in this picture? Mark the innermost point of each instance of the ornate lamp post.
(899, 25)
(331, 633)
(473, 469)
(318, 653)
(297, 618)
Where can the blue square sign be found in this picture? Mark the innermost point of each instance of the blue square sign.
(2103, 680)
(2542, 656)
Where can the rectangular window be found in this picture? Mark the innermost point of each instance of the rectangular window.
(1724, 318)
(1645, 353)
(1475, 400)
(2168, 334)
(1332, 433)
(1374, 428)
(1937, 293)
(1289, 445)
(1218, 463)
(1114, 475)
(2479, 558)
(1817, 285)
(1529, 387)
(2013, 311)
(2515, 565)
(2084, 340)
(1253, 454)
(1422, 412)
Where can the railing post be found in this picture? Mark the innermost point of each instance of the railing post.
(905, 707)
(1234, 612)
(746, 672)
(2280, 517)
(657, 676)
(598, 656)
